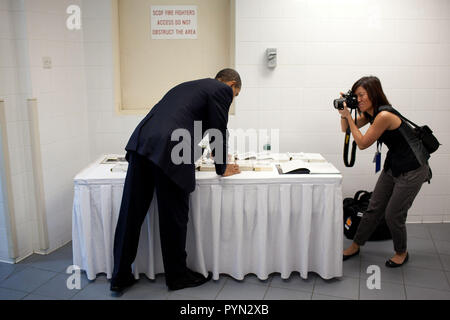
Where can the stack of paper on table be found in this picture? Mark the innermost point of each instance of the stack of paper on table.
(245, 165)
(205, 164)
(120, 167)
(207, 167)
(246, 156)
(263, 166)
(113, 158)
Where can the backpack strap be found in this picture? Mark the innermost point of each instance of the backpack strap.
(392, 110)
(407, 132)
(359, 193)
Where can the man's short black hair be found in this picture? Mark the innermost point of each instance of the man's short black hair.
(228, 74)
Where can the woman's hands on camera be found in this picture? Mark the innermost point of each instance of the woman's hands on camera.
(345, 114)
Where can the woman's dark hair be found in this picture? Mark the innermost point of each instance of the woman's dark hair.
(374, 90)
(229, 75)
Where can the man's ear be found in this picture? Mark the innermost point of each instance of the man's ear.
(231, 83)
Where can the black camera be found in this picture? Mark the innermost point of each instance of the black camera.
(349, 98)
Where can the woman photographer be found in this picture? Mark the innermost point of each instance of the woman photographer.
(403, 173)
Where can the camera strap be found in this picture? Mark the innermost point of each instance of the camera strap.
(347, 144)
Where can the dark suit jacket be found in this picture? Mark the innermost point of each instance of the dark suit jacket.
(206, 100)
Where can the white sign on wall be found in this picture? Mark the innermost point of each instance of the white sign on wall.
(173, 22)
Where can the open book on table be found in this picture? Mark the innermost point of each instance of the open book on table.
(304, 167)
(277, 157)
(308, 157)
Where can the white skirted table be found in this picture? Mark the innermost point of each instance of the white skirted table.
(254, 222)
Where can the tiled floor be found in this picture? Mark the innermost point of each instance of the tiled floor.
(425, 276)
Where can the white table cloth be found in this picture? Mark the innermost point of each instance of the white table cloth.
(254, 222)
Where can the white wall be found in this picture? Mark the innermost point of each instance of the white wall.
(4, 251)
(324, 46)
(14, 90)
(109, 132)
(31, 30)
(62, 106)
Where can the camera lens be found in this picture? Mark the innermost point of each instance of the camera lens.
(339, 103)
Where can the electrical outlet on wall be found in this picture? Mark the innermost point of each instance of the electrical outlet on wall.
(47, 62)
(271, 57)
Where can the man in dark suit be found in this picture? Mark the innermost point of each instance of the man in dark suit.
(152, 167)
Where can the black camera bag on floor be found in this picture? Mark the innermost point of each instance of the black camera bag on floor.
(354, 209)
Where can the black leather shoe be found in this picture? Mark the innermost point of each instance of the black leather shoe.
(188, 280)
(118, 286)
(392, 264)
(346, 257)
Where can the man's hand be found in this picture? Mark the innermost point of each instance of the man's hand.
(231, 169)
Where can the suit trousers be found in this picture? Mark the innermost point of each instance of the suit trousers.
(392, 197)
(142, 178)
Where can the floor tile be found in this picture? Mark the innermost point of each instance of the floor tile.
(57, 287)
(8, 294)
(207, 291)
(6, 269)
(252, 279)
(442, 247)
(57, 261)
(393, 275)
(378, 250)
(317, 296)
(415, 230)
(33, 296)
(66, 250)
(351, 267)
(375, 257)
(97, 290)
(424, 260)
(385, 245)
(425, 278)
(28, 279)
(421, 245)
(286, 294)
(445, 261)
(241, 291)
(387, 291)
(416, 293)
(343, 287)
(295, 282)
(160, 280)
(439, 231)
(139, 292)
(176, 296)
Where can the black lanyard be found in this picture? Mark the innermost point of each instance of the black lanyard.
(347, 143)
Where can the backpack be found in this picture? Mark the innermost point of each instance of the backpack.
(354, 209)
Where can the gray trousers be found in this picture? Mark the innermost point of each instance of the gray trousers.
(392, 197)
